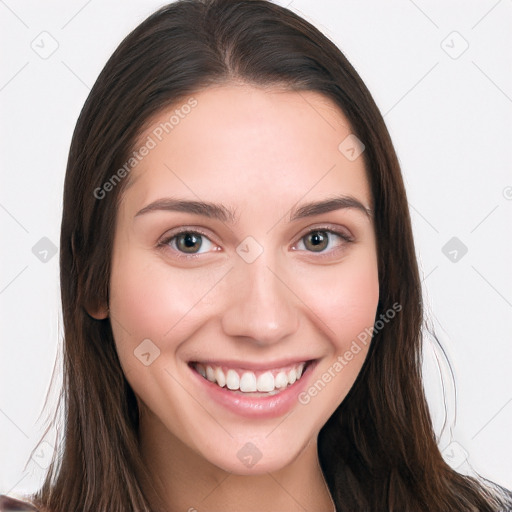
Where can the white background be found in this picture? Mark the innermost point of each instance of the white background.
(451, 122)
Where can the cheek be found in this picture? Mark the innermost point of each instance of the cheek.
(152, 301)
(344, 303)
(345, 298)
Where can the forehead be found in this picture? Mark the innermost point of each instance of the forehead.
(240, 143)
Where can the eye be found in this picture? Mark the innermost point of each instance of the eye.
(188, 242)
(322, 240)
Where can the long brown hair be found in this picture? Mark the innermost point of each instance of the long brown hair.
(378, 450)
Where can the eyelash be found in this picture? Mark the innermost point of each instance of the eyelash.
(346, 239)
(164, 243)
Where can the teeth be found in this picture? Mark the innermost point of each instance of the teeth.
(210, 374)
(281, 380)
(266, 382)
(232, 380)
(248, 382)
(219, 377)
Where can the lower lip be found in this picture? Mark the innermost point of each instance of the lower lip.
(256, 406)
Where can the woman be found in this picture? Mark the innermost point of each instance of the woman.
(242, 306)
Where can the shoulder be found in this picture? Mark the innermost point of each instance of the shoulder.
(8, 504)
(506, 496)
(502, 494)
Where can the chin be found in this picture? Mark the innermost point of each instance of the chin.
(257, 455)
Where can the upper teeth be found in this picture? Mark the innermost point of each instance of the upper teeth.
(247, 381)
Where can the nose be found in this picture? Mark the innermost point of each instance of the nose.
(261, 306)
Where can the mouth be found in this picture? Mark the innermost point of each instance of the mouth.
(262, 382)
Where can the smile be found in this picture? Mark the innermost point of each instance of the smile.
(250, 390)
(269, 381)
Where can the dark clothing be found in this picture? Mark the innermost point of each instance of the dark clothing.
(8, 504)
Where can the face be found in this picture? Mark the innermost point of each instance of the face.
(244, 269)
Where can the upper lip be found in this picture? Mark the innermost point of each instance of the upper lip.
(253, 365)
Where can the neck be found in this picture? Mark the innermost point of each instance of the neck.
(184, 481)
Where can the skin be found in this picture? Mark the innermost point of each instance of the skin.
(261, 153)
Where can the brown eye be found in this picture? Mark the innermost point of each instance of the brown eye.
(324, 242)
(189, 242)
(316, 241)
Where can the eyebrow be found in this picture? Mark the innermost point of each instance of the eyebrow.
(329, 205)
(224, 214)
(212, 210)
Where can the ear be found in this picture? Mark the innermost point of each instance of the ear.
(96, 305)
(97, 312)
